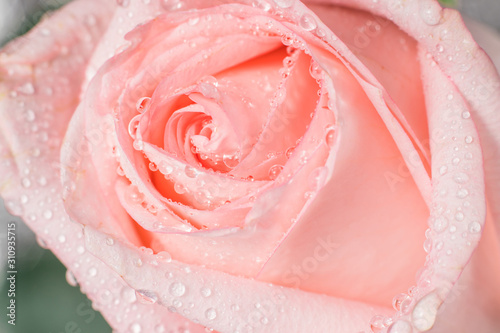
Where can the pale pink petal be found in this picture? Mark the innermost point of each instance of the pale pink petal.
(358, 224)
(225, 302)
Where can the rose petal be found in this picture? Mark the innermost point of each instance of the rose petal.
(228, 303)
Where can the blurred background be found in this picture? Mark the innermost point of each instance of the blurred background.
(45, 302)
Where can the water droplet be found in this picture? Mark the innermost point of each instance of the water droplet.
(143, 104)
(138, 145)
(275, 171)
(177, 289)
(400, 326)
(443, 170)
(425, 312)
(146, 296)
(61, 238)
(133, 126)
(398, 300)
(26, 182)
(27, 89)
(459, 216)
(123, 3)
(190, 171)
(47, 214)
(165, 168)
(206, 292)
(71, 279)
(159, 328)
(439, 224)
(30, 115)
(164, 256)
(469, 139)
(135, 328)
(133, 195)
(453, 229)
(461, 178)
(138, 262)
(462, 193)
(193, 21)
(211, 314)
(231, 161)
(377, 323)
(427, 245)
(474, 227)
(308, 22)
(110, 241)
(330, 136)
(456, 161)
(92, 271)
(466, 115)
(179, 188)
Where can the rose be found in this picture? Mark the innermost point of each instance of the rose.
(301, 190)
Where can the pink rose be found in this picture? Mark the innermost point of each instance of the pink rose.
(261, 166)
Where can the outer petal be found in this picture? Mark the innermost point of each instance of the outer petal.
(228, 303)
(41, 77)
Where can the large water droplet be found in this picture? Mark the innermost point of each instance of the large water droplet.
(474, 227)
(425, 311)
(275, 171)
(177, 289)
(400, 326)
(439, 223)
(135, 328)
(308, 22)
(143, 104)
(430, 12)
(71, 279)
(146, 296)
(377, 323)
(211, 314)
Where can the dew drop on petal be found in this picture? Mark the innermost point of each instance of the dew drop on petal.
(110, 241)
(143, 104)
(275, 171)
(135, 328)
(284, 3)
(443, 169)
(206, 292)
(47, 214)
(398, 300)
(474, 227)
(211, 314)
(439, 224)
(461, 178)
(177, 289)
(400, 326)
(377, 323)
(71, 279)
(430, 12)
(146, 296)
(425, 311)
(164, 256)
(308, 22)
(92, 271)
(462, 193)
(330, 136)
(231, 161)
